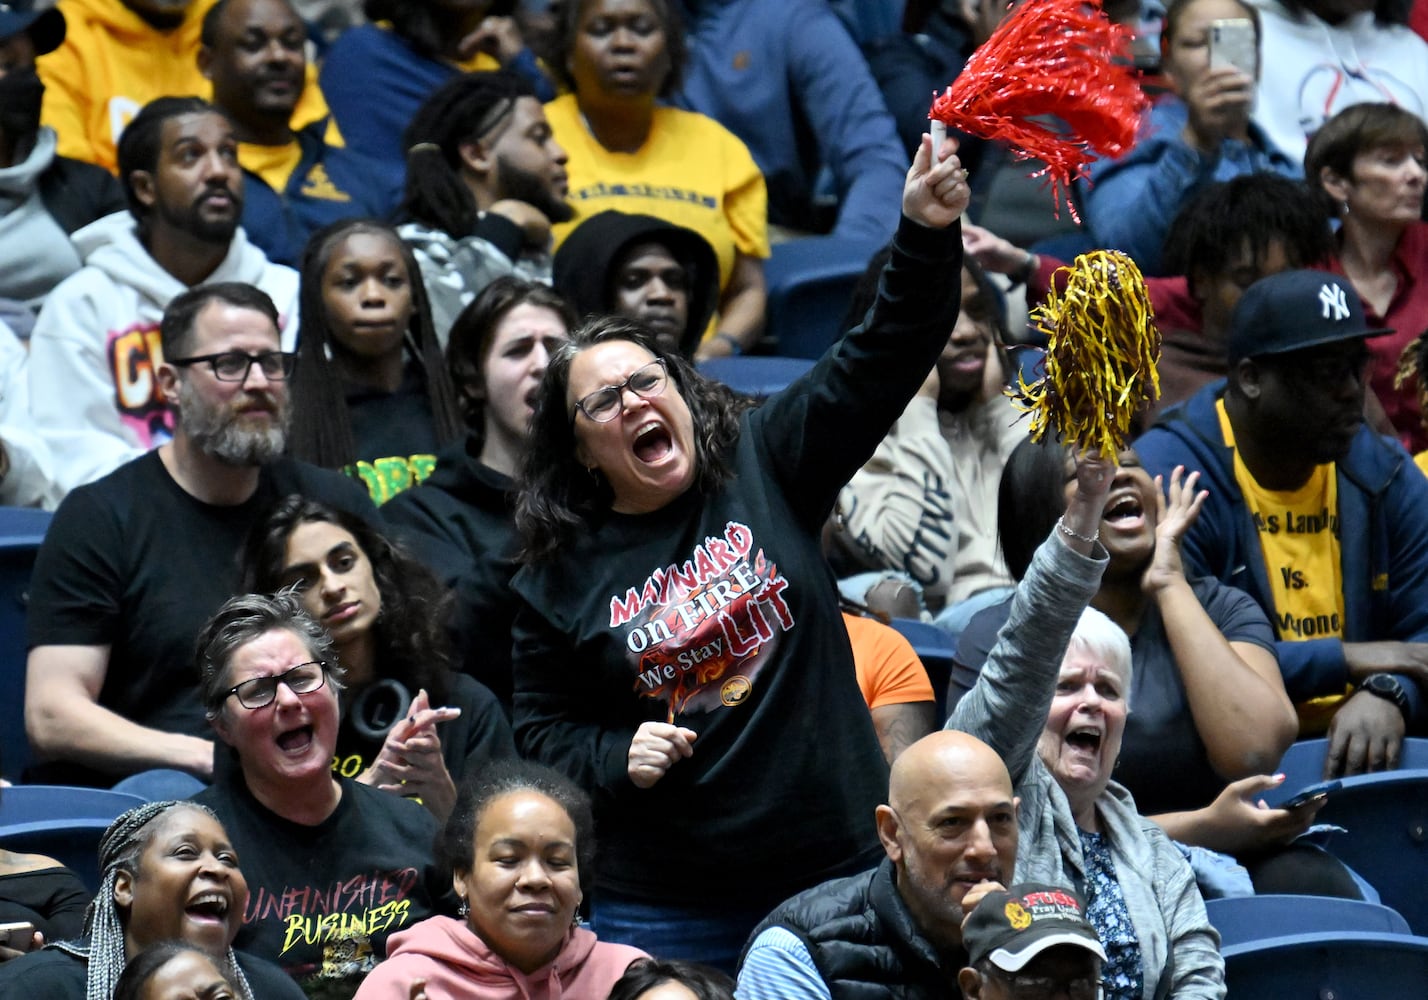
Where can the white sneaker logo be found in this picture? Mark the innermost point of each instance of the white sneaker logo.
(1333, 300)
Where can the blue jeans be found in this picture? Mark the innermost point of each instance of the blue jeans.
(713, 935)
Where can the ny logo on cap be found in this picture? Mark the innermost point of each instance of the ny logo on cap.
(1331, 297)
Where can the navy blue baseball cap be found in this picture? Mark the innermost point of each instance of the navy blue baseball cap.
(45, 27)
(1293, 310)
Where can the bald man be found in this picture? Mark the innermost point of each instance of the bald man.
(950, 833)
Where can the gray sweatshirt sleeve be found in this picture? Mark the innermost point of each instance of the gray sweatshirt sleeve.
(1007, 706)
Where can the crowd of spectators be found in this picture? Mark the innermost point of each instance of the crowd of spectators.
(402, 546)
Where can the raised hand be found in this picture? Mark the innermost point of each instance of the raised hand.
(411, 761)
(936, 192)
(1178, 507)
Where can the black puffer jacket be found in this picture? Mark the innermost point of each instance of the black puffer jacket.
(864, 941)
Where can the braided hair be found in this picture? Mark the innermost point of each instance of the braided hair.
(465, 109)
(119, 850)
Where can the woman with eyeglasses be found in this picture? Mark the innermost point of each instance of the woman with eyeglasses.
(371, 395)
(411, 726)
(679, 649)
(333, 866)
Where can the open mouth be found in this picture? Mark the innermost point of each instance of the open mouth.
(1123, 509)
(1086, 739)
(652, 443)
(208, 906)
(295, 741)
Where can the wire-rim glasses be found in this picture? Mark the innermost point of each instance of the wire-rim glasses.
(604, 405)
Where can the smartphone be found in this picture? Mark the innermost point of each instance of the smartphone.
(19, 935)
(1232, 43)
(1312, 792)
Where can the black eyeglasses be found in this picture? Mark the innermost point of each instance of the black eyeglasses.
(259, 692)
(604, 405)
(233, 366)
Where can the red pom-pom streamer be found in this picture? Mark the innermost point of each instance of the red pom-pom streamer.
(1050, 57)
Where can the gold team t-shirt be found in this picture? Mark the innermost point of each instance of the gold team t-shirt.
(1299, 537)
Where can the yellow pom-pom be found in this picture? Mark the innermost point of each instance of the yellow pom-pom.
(1102, 347)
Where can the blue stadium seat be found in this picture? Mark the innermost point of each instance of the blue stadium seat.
(1386, 819)
(62, 822)
(1303, 763)
(934, 648)
(21, 531)
(810, 282)
(1332, 965)
(756, 376)
(1251, 918)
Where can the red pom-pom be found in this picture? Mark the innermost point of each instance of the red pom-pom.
(1063, 58)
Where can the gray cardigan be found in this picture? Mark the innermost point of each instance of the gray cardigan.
(1007, 709)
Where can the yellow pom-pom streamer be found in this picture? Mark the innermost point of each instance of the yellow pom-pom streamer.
(1101, 354)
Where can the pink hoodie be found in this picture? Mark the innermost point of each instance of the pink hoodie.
(457, 965)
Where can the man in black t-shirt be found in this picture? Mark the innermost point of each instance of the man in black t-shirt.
(134, 563)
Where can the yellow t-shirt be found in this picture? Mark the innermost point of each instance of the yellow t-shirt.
(691, 171)
(112, 63)
(274, 164)
(1299, 537)
(1421, 460)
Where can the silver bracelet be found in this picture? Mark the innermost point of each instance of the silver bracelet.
(1089, 540)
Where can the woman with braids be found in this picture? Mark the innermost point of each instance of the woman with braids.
(632, 153)
(384, 612)
(167, 872)
(485, 181)
(376, 75)
(334, 866)
(371, 394)
(459, 520)
(521, 848)
(679, 650)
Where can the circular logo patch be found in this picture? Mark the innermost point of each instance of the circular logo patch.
(735, 690)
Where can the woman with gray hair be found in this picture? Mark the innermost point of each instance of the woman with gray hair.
(167, 872)
(335, 866)
(1052, 701)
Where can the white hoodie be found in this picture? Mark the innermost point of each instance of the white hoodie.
(95, 348)
(1310, 69)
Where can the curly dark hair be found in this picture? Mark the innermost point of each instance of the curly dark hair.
(473, 332)
(559, 496)
(322, 424)
(412, 643)
(502, 777)
(1221, 221)
(676, 48)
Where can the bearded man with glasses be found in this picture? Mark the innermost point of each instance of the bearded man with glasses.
(134, 563)
(95, 394)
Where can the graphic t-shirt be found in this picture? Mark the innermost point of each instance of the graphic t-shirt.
(1299, 536)
(717, 611)
(322, 900)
